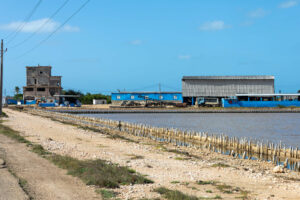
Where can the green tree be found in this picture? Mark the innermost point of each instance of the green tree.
(88, 97)
(18, 95)
(17, 90)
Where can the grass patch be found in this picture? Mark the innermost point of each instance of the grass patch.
(224, 188)
(22, 183)
(175, 182)
(220, 165)
(185, 183)
(174, 194)
(244, 195)
(180, 158)
(99, 172)
(178, 152)
(229, 190)
(3, 114)
(38, 149)
(208, 191)
(288, 178)
(206, 182)
(177, 195)
(117, 136)
(106, 194)
(184, 153)
(101, 146)
(4, 130)
(135, 157)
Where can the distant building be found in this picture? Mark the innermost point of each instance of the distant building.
(118, 98)
(40, 84)
(99, 101)
(197, 87)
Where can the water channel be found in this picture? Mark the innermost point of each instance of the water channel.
(273, 127)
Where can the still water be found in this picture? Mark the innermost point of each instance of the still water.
(263, 126)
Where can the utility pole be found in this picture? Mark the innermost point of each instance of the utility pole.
(1, 82)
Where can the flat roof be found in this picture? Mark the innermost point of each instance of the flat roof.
(123, 92)
(37, 66)
(266, 95)
(267, 77)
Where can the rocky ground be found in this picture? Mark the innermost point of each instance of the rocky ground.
(204, 174)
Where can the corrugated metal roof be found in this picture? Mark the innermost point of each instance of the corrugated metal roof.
(226, 77)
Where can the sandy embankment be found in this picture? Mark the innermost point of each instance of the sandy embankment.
(160, 166)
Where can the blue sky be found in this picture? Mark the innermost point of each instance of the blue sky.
(136, 44)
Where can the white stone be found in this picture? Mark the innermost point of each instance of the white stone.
(2, 162)
(278, 169)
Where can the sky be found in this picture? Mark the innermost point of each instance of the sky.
(137, 45)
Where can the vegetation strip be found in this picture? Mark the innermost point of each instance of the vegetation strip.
(93, 172)
(177, 195)
(224, 188)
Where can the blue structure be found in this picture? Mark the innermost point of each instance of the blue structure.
(13, 101)
(262, 100)
(44, 105)
(30, 102)
(147, 96)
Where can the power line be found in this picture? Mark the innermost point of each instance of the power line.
(14, 34)
(43, 25)
(53, 32)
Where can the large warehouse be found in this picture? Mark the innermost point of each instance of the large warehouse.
(195, 88)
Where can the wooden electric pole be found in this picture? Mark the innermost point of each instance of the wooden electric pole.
(1, 76)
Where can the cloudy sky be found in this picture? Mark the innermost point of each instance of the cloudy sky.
(135, 45)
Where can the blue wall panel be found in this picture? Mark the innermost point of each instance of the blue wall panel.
(150, 96)
(229, 103)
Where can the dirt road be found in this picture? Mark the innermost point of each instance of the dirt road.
(42, 179)
(167, 169)
(9, 185)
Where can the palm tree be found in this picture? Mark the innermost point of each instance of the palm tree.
(17, 90)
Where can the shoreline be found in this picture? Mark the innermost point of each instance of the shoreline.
(118, 111)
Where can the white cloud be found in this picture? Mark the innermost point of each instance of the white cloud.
(288, 4)
(213, 26)
(136, 42)
(47, 25)
(258, 13)
(184, 57)
(69, 28)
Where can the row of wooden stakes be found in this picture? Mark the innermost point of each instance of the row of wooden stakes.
(248, 147)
